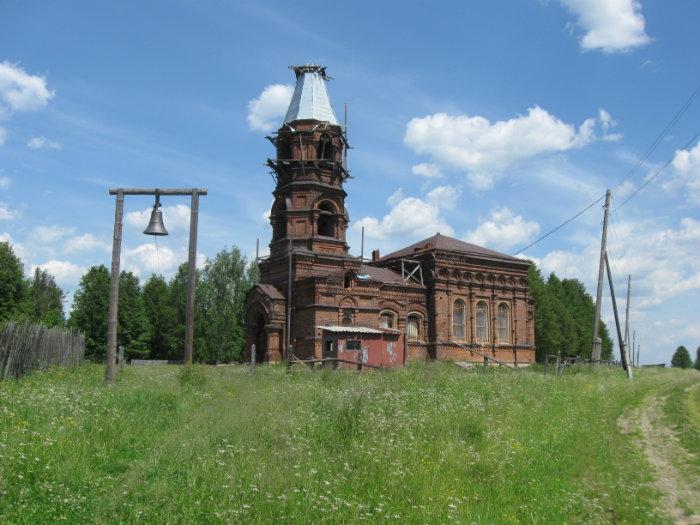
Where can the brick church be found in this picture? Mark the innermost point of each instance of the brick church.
(440, 298)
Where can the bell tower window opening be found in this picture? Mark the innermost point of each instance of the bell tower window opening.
(325, 148)
(326, 219)
(279, 225)
(284, 150)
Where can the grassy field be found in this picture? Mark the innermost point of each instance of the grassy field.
(427, 444)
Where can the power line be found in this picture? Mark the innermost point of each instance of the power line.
(657, 173)
(689, 101)
(561, 225)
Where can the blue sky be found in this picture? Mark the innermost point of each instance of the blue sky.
(492, 122)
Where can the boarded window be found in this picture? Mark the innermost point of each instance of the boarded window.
(458, 314)
(347, 319)
(503, 323)
(413, 327)
(387, 320)
(482, 321)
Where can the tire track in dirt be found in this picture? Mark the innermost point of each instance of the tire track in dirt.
(680, 491)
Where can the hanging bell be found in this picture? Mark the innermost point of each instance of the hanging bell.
(156, 226)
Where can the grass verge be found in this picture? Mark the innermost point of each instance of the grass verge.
(429, 443)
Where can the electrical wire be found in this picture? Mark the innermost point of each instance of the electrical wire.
(657, 173)
(664, 132)
(689, 101)
(561, 225)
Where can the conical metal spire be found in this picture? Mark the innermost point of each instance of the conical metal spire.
(310, 100)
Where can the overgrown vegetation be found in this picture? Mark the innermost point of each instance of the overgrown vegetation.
(564, 314)
(426, 444)
(152, 317)
(38, 299)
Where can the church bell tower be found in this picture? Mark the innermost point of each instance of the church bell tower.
(309, 170)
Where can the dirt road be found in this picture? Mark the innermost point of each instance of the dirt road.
(679, 486)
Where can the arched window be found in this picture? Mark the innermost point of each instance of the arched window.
(325, 148)
(482, 321)
(387, 319)
(326, 219)
(503, 323)
(347, 319)
(414, 326)
(458, 323)
(279, 220)
(284, 150)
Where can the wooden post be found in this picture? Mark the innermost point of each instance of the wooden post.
(595, 352)
(191, 278)
(621, 342)
(252, 357)
(113, 307)
(122, 358)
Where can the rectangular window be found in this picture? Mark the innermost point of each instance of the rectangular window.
(354, 345)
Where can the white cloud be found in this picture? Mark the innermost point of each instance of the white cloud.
(47, 234)
(610, 26)
(7, 213)
(427, 170)
(503, 230)
(265, 112)
(3, 134)
(85, 243)
(395, 197)
(5, 182)
(20, 91)
(484, 149)
(67, 274)
(42, 143)
(146, 259)
(686, 164)
(176, 218)
(659, 273)
(412, 216)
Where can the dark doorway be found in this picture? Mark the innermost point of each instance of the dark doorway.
(260, 339)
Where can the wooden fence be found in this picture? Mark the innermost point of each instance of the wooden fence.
(25, 347)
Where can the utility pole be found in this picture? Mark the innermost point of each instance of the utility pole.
(595, 353)
(627, 320)
(620, 340)
(627, 309)
(634, 347)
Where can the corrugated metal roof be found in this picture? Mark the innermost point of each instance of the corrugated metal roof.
(310, 100)
(449, 244)
(384, 275)
(351, 329)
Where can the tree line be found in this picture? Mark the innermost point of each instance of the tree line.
(681, 358)
(38, 299)
(564, 315)
(151, 321)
